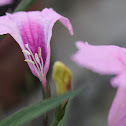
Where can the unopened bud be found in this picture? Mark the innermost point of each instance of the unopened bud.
(62, 75)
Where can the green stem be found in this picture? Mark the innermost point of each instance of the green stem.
(45, 120)
(56, 123)
(24, 5)
(46, 94)
(43, 92)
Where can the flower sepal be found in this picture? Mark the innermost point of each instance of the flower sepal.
(62, 76)
(59, 113)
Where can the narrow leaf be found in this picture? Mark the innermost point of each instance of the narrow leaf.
(24, 5)
(36, 110)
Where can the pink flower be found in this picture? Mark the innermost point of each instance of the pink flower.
(33, 31)
(5, 2)
(109, 60)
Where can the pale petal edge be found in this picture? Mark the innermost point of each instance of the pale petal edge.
(100, 59)
(117, 113)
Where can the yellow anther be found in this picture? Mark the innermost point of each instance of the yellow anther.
(62, 75)
(29, 61)
(37, 58)
(39, 52)
(26, 52)
(26, 45)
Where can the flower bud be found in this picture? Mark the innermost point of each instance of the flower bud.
(62, 75)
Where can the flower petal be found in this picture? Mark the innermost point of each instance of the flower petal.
(119, 80)
(5, 2)
(7, 26)
(117, 113)
(100, 59)
(107, 60)
(50, 17)
(29, 27)
(34, 29)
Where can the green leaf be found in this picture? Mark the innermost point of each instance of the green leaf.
(59, 113)
(24, 5)
(36, 110)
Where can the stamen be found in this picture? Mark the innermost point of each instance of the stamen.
(29, 61)
(37, 58)
(42, 64)
(26, 52)
(39, 51)
(34, 67)
(36, 70)
(26, 45)
(38, 66)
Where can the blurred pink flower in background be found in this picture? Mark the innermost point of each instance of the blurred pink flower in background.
(5, 2)
(110, 60)
(33, 31)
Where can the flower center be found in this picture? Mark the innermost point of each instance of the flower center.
(35, 59)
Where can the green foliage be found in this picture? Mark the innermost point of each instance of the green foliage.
(38, 109)
(59, 113)
(24, 5)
